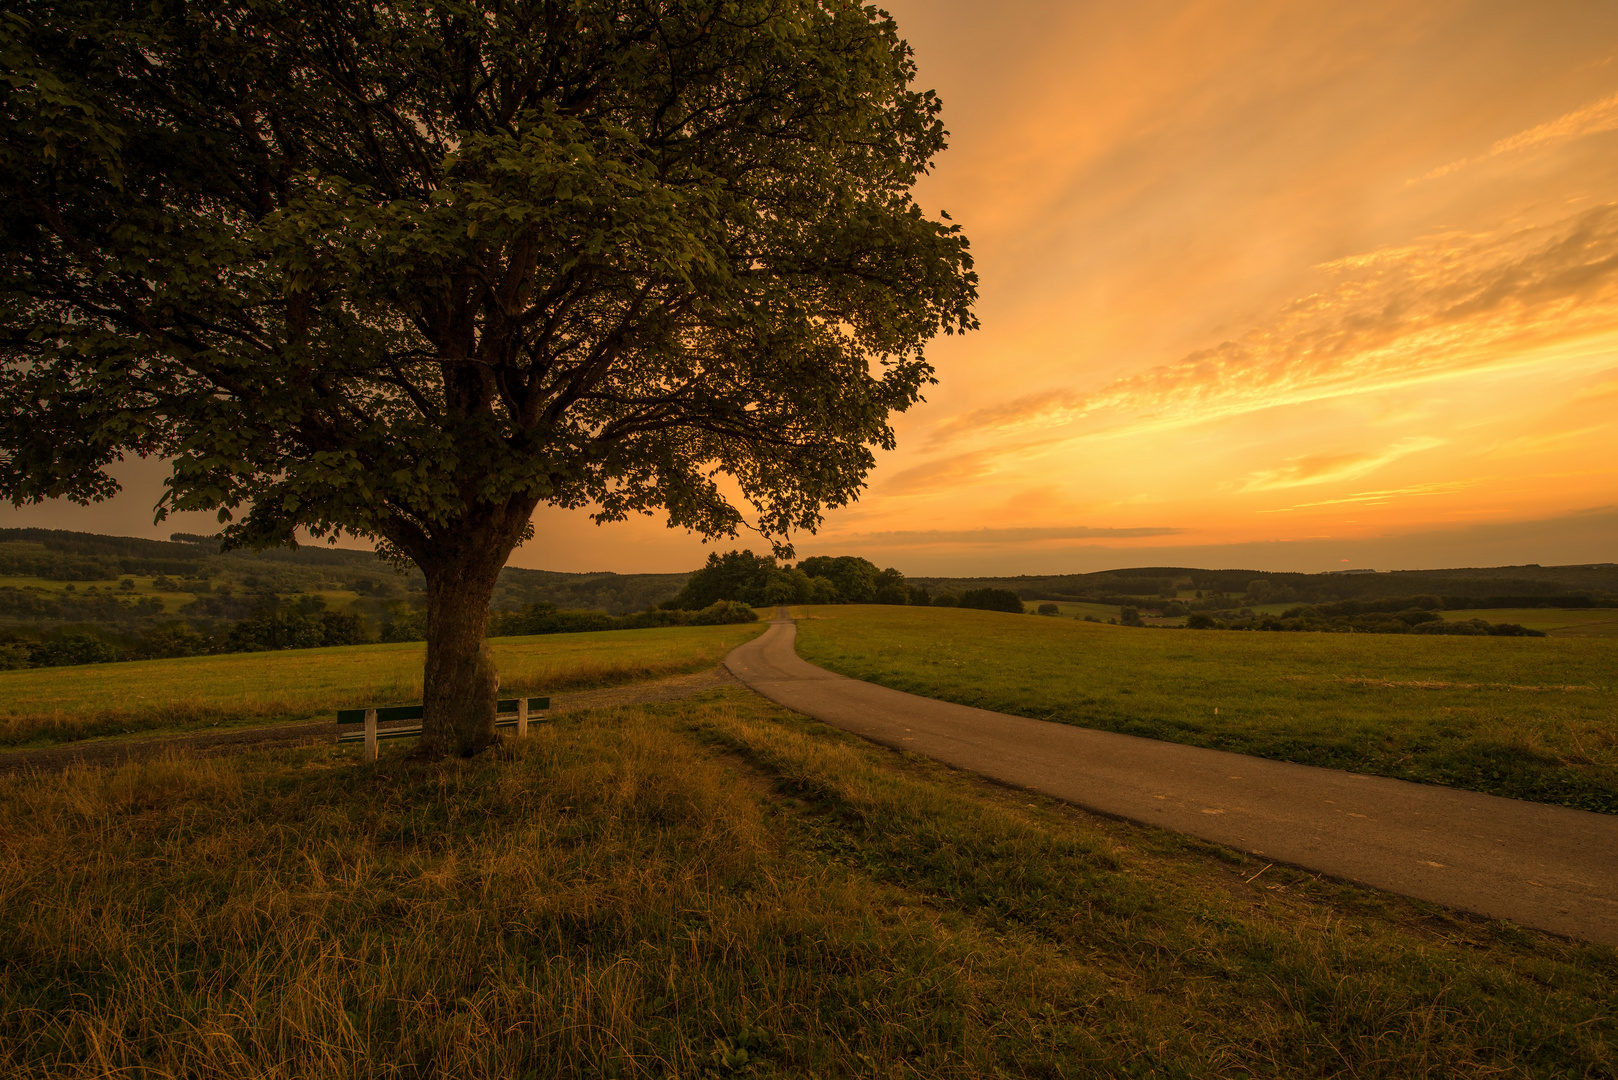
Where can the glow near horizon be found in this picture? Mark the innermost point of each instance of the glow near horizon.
(1253, 274)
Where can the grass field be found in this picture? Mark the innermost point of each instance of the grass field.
(1558, 622)
(1530, 718)
(1072, 609)
(717, 888)
(52, 705)
(172, 601)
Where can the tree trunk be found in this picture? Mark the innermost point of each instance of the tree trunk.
(459, 683)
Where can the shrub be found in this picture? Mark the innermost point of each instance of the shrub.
(73, 647)
(992, 600)
(1511, 629)
(1199, 621)
(405, 623)
(1128, 616)
(723, 613)
(1049, 609)
(171, 639)
(1476, 628)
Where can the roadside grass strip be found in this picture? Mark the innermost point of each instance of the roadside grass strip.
(1526, 718)
(45, 706)
(717, 888)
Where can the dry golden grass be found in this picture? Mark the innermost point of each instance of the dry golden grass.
(715, 887)
(47, 705)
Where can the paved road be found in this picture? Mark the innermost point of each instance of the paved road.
(1542, 866)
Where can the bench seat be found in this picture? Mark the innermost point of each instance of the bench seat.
(509, 713)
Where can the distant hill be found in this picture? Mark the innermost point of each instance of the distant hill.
(197, 564)
(1598, 580)
(58, 555)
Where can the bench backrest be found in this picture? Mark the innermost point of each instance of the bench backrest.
(413, 712)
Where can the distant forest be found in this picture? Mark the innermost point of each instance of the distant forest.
(69, 597)
(1524, 586)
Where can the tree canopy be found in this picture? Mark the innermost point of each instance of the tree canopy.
(408, 271)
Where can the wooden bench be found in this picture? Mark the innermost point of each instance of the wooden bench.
(508, 712)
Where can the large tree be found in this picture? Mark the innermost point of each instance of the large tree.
(406, 271)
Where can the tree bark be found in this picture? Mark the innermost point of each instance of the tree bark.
(460, 683)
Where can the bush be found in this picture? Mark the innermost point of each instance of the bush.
(723, 613)
(406, 623)
(171, 639)
(992, 600)
(1476, 628)
(1511, 629)
(544, 618)
(73, 647)
(1128, 616)
(273, 630)
(1199, 621)
(1049, 609)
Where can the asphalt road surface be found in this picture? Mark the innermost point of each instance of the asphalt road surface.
(1543, 866)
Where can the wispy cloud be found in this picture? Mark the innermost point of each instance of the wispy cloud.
(1598, 116)
(1323, 468)
(1396, 317)
(1372, 498)
(998, 537)
(1548, 441)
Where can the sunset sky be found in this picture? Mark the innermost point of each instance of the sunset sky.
(1270, 285)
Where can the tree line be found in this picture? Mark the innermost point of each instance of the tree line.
(760, 581)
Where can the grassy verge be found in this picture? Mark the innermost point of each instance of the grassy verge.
(1558, 622)
(1529, 718)
(54, 705)
(717, 888)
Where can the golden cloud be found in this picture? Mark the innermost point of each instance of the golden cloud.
(986, 536)
(1451, 304)
(1322, 468)
(1595, 117)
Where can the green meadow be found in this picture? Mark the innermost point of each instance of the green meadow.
(717, 888)
(1528, 718)
(51, 705)
(1558, 622)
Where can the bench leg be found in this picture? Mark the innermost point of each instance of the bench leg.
(370, 734)
(522, 716)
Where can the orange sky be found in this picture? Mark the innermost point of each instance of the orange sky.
(1273, 285)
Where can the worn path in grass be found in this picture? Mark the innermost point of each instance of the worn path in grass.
(1543, 866)
(117, 751)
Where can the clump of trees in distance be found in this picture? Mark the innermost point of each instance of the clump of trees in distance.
(546, 618)
(1410, 621)
(1584, 585)
(759, 581)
